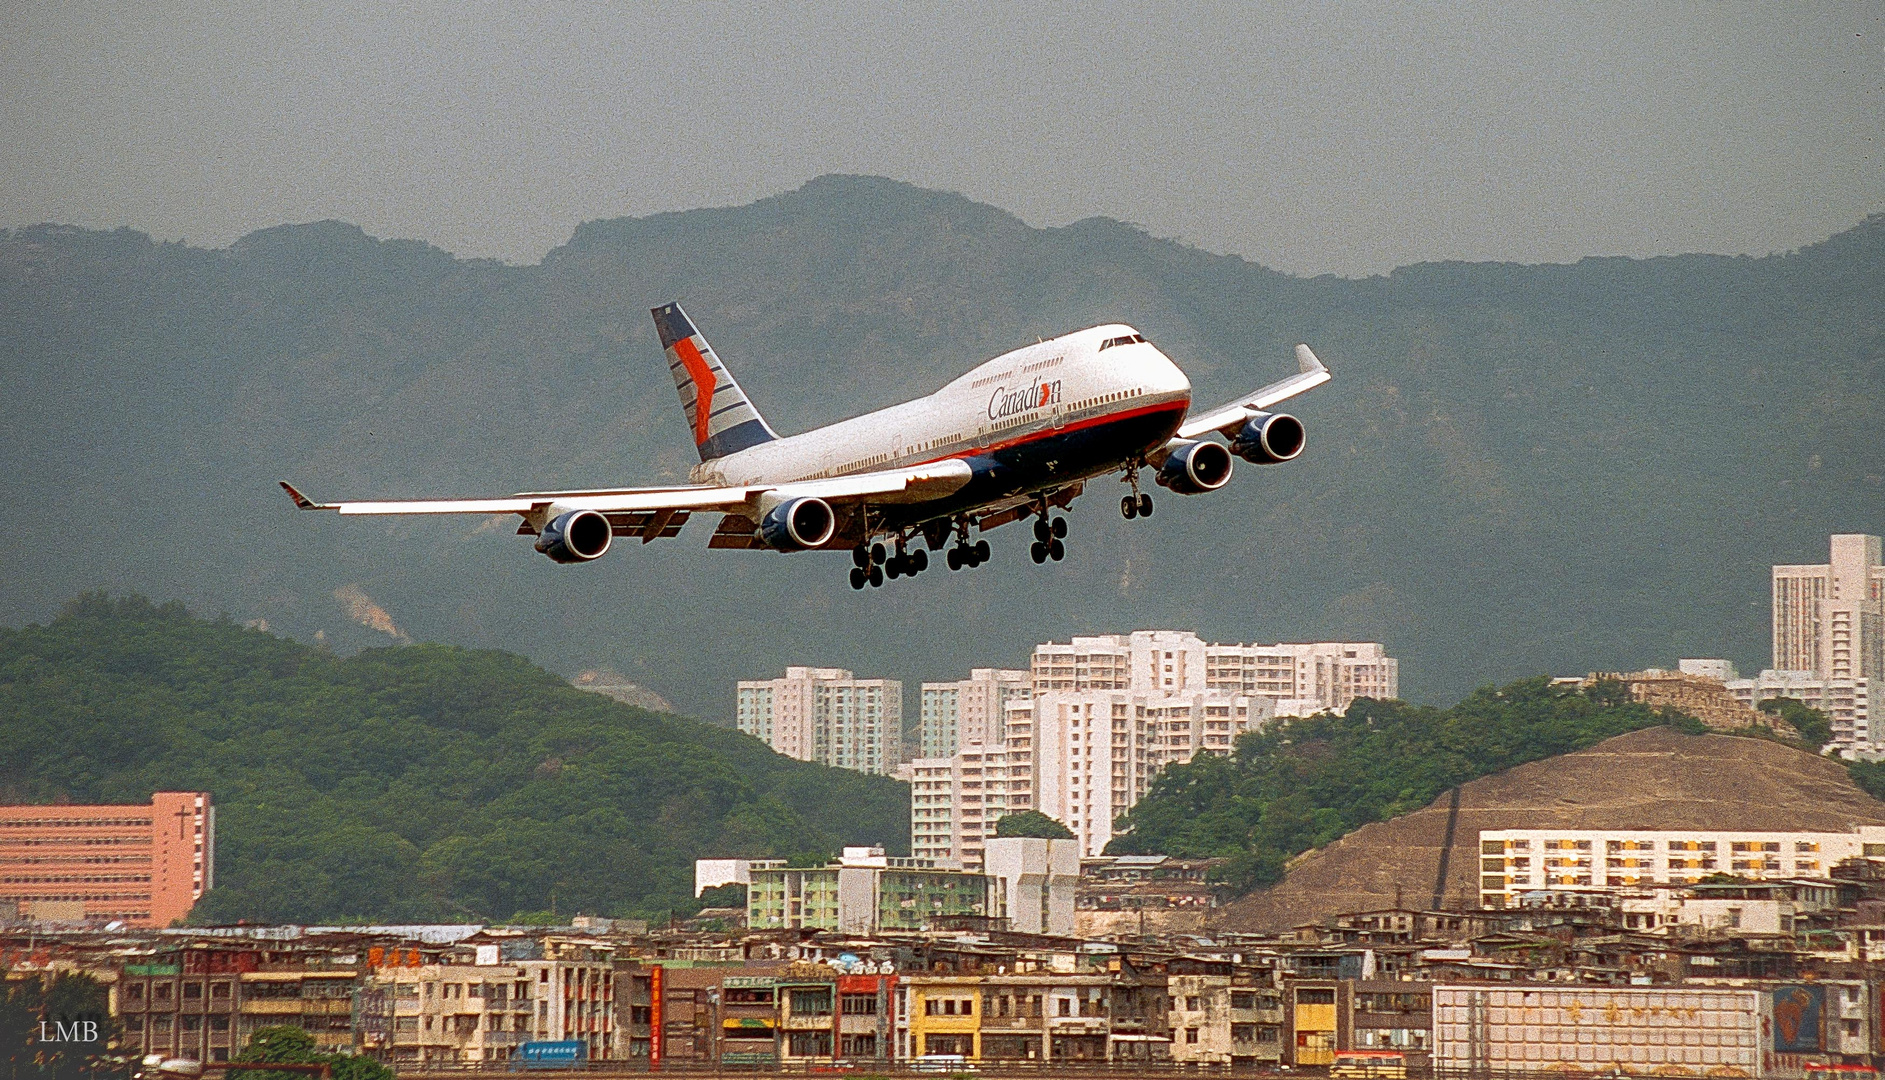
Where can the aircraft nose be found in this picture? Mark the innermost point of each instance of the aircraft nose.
(1161, 376)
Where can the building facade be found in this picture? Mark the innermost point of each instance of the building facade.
(969, 710)
(1829, 618)
(1300, 678)
(826, 715)
(141, 864)
(1517, 861)
(864, 892)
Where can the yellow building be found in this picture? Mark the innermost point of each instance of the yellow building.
(945, 1015)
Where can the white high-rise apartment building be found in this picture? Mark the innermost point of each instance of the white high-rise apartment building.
(1829, 618)
(826, 715)
(1829, 642)
(967, 711)
(1299, 678)
(1104, 715)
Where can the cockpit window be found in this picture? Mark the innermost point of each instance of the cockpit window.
(1129, 339)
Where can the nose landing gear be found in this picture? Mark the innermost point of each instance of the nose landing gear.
(1137, 504)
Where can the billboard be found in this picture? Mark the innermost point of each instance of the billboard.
(1699, 1031)
(1797, 1014)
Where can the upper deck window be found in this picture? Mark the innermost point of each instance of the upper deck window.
(1129, 339)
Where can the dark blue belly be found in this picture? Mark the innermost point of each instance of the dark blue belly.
(1044, 460)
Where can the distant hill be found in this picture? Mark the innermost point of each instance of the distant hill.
(1655, 778)
(421, 782)
(1519, 469)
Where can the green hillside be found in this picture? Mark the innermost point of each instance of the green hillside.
(423, 782)
(1518, 469)
(1302, 783)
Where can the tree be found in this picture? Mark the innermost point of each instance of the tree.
(287, 1045)
(1814, 726)
(1031, 823)
(57, 1031)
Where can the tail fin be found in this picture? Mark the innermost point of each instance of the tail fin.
(722, 419)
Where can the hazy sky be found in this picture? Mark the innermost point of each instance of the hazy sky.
(1311, 137)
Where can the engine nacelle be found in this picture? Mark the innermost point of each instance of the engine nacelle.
(1195, 468)
(797, 524)
(577, 536)
(1269, 439)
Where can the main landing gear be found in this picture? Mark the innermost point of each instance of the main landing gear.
(872, 564)
(1138, 504)
(965, 555)
(1048, 534)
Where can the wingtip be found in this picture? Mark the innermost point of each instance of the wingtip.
(301, 501)
(1307, 361)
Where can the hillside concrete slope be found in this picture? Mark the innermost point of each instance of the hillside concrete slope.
(1656, 778)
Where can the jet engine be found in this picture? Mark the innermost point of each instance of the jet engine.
(797, 524)
(1195, 468)
(1269, 438)
(577, 536)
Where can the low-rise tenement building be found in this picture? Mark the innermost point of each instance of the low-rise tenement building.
(826, 715)
(865, 892)
(144, 864)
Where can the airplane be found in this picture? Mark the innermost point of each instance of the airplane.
(1016, 437)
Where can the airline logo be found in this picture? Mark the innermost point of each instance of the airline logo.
(1012, 402)
(701, 374)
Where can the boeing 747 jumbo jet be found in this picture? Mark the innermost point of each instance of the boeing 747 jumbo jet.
(1016, 437)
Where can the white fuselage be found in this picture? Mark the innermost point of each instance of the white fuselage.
(1068, 383)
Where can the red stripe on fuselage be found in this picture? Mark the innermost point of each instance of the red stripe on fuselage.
(1179, 407)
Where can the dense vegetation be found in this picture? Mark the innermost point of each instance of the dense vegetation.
(293, 1046)
(1032, 823)
(1303, 783)
(417, 782)
(1517, 469)
(75, 1000)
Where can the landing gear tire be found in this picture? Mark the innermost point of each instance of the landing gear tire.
(1129, 507)
(981, 552)
(1145, 506)
(954, 558)
(1060, 527)
(861, 557)
(858, 578)
(893, 569)
(876, 576)
(919, 561)
(878, 554)
(1042, 531)
(1038, 552)
(1056, 550)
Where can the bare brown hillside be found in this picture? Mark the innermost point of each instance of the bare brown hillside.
(1656, 778)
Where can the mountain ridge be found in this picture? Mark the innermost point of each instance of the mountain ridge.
(1519, 469)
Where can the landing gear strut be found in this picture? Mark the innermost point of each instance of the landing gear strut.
(1137, 504)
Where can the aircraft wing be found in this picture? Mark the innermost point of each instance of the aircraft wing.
(909, 484)
(1229, 418)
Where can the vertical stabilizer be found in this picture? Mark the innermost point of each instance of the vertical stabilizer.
(718, 413)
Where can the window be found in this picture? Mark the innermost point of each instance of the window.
(1191, 1035)
(1066, 1006)
(1315, 996)
(859, 1004)
(1191, 1003)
